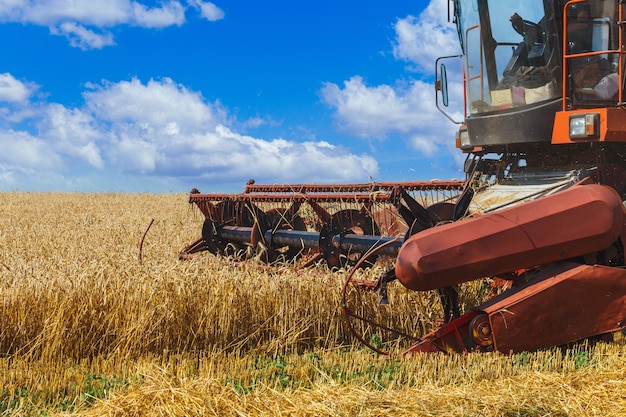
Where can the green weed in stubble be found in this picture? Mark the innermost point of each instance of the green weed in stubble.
(96, 387)
(303, 371)
(70, 397)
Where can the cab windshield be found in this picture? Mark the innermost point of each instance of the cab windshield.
(511, 51)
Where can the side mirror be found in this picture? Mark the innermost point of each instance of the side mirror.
(443, 84)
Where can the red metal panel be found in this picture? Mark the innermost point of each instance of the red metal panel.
(450, 338)
(580, 220)
(577, 302)
(564, 303)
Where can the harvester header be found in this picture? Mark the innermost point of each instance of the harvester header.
(333, 222)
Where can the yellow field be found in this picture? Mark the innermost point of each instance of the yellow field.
(87, 328)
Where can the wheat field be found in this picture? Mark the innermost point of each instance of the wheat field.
(92, 325)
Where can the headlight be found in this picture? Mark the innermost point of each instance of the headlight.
(584, 126)
(464, 139)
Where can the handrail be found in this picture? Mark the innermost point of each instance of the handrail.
(467, 64)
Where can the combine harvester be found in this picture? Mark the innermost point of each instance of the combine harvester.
(541, 207)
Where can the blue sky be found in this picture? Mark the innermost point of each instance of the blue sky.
(146, 96)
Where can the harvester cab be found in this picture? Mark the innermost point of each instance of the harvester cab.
(539, 73)
(541, 207)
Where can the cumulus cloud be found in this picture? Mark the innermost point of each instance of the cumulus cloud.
(408, 107)
(13, 90)
(152, 105)
(421, 40)
(162, 128)
(208, 10)
(73, 133)
(374, 111)
(86, 23)
(15, 96)
(24, 154)
(170, 13)
(81, 37)
(130, 130)
(379, 111)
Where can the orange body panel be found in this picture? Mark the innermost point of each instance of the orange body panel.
(612, 126)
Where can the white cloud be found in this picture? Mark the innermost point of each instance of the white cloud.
(153, 105)
(379, 111)
(208, 10)
(163, 129)
(425, 145)
(128, 131)
(13, 90)
(71, 132)
(134, 155)
(171, 13)
(99, 13)
(421, 40)
(85, 22)
(81, 37)
(276, 160)
(254, 122)
(23, 154)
